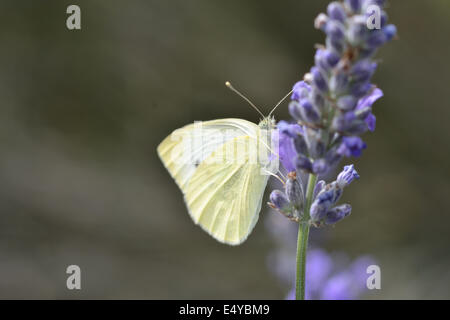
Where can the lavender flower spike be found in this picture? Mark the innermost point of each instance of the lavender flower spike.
(331, 108)
(333, 104)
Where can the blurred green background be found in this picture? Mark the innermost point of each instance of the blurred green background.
(81, 114)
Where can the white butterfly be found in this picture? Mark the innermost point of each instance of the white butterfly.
(222, 167)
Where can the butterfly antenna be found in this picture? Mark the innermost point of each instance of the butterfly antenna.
(284, 98)
(229, 86)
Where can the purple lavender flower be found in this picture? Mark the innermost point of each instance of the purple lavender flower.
(319, 186)
(323, 202)
(334, 101)
(351, 147)
(294, 191)
(300, 90)
(326, 273)
(319, 79)
(364, 108)
(323, 210)
(390, 31)
(347, 176)
(369, 100)
(336, 11)
(279, 200)
(329, 279)
(326, 59)
(338, 213)
(331, 109)
(290, 202)
(338, 287)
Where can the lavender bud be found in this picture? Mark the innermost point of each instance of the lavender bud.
(303, 163)
(332, 58)
(335, 45)
(295, 111)
(321, 21)
(351, 147)
(300, 90)
(335, 30)
(347, 176)
(326, 59)
(319, 59)
(279, 200)
(319, 79)
(336, 11)
(363, 70)
(347, 103)
(319, 186)
(338, 213)
(354, 5)
(294, 191)
(308, 112)
(322, 204)
(390, 31)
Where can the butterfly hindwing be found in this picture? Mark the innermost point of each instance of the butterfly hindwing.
(225, 198)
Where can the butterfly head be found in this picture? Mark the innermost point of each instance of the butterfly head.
(267, 123)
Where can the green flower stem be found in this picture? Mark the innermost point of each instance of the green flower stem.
(302, 241)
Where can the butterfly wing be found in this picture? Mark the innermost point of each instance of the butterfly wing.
(224, 198)
(222, 181)
(183, 150)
